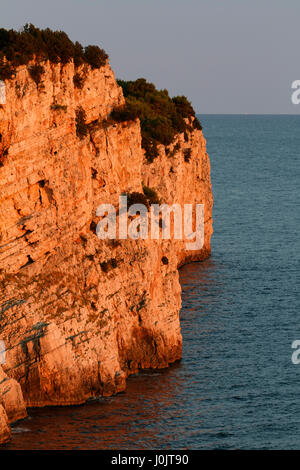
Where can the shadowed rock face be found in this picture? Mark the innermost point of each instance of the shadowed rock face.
(4, 426)
(77, 314)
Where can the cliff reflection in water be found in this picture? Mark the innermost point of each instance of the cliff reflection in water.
(140, 418)
(157, 410)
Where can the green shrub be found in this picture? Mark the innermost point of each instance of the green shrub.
(150, 147)
(161, 117)
(95, 56)
(59, 107)
(151, 195)
(36, 72)
(7, 70)
(176, 149)
(148, 197)
(136, 198)
(3, 155)
(106, 266)
(129, 112)
(20, 47)
(78, 80)
(81, 126)
(196, 124)
(93, 226)
(78, 54)
(183, 106)
(187, 154)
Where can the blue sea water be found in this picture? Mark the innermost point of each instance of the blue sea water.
(236, 386)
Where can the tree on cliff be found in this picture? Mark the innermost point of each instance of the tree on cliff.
(20, 47)
(161, 117)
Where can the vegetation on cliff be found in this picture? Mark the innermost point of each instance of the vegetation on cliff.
(20, 47)
(148, 197)
(161, 116)
(81, 126)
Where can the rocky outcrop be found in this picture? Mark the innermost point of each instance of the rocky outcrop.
(78, 315)
(12, 405)
(183, 177)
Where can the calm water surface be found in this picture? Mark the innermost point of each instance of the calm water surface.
(236, 386)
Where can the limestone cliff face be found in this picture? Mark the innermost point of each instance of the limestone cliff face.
(77, 314)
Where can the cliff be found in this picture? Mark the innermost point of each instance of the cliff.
(78, 315)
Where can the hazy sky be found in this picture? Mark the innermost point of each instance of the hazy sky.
(227, 56)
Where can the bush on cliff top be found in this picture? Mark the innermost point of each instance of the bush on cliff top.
(129, 112)
(161, 117)
(19, 47)
(36, 71)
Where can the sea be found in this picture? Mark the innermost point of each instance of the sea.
(236, 386)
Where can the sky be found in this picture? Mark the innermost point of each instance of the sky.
(226, 56)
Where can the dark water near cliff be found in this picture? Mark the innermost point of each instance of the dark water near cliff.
(236, 386)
